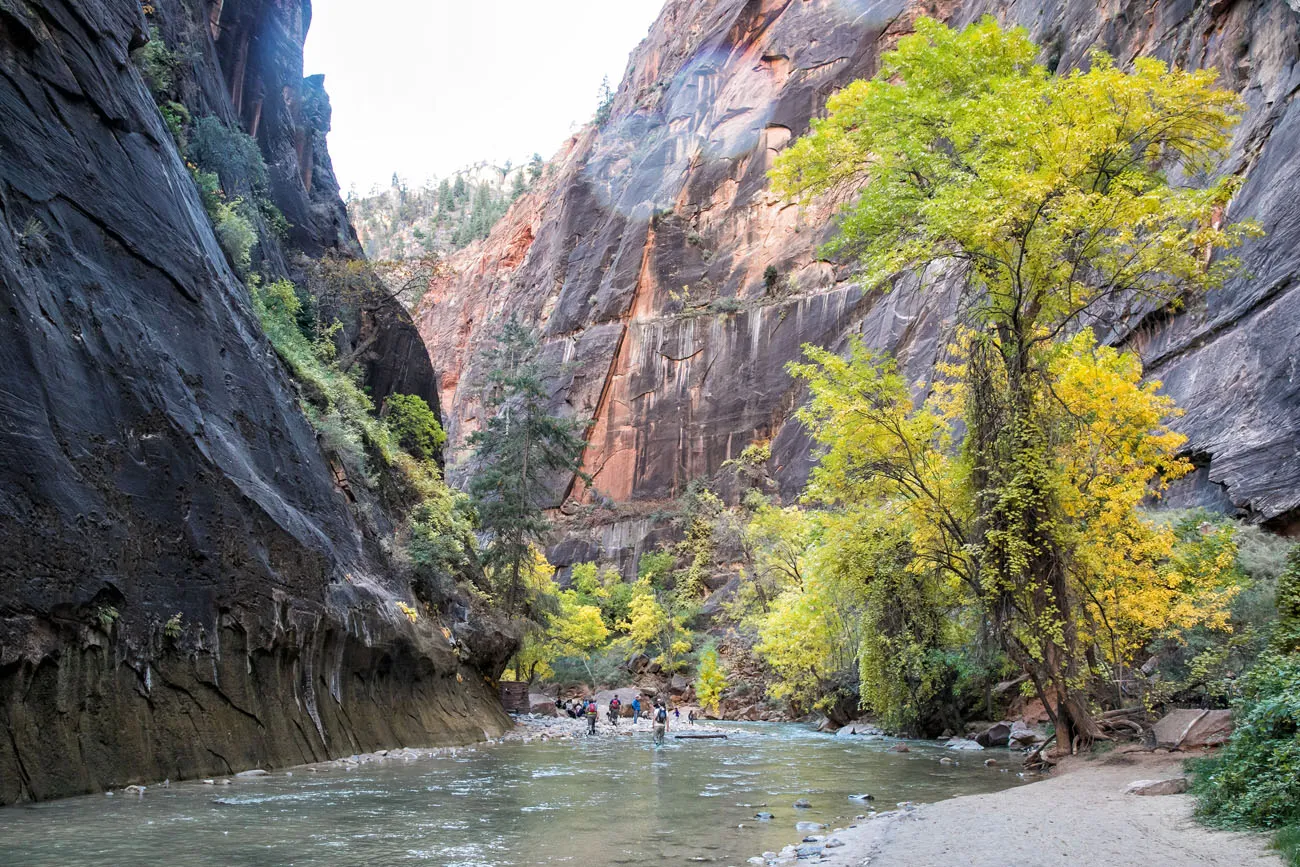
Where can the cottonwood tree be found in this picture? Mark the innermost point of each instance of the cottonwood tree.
(518, 454)
(1061, 200)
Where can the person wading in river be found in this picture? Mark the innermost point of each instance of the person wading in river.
(660, 722)
(614, 707)
(636, 710)
(591, 717)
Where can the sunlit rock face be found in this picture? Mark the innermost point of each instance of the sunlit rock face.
(642, 256)
(183, 589)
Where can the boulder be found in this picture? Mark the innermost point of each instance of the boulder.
(1023, 736)
(962, 744)
(803, 804)
(678, 684)
(1172, 786)
(1187, 728)
(542, 705)
(996, 735)
(1211, 730)
(900, 747)
(860, 727)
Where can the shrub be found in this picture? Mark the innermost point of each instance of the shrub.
(177, 117)
(727, 305)
(158, 65)
(1255, 778)
(173, 627)
(415, 426)
(235, 233)
(772, 279)
(231, 153)
(1286, 635)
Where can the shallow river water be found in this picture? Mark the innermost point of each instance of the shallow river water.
(608, 801)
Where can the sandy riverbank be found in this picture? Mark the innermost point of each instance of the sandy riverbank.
(1078, 816)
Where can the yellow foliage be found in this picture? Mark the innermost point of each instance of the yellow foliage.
(710, 682)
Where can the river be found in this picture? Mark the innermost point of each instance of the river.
(607, 800)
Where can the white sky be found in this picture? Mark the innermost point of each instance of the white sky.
(425, 87)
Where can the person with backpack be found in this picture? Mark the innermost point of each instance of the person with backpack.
(614, 707)
(591, 716)
(660, 723)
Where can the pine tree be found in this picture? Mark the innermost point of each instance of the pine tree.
(520, 450)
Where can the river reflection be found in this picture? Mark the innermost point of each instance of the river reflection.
(586, 801)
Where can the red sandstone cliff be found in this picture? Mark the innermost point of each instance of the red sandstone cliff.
(642, 255)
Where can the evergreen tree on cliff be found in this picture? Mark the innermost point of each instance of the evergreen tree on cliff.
(520, 452)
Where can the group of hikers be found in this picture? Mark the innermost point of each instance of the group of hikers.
(658, 713)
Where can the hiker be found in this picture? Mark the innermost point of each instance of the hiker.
(690, 717)
(660, 723)
(591, 716)
(636, 710)
(677, 713)
(614, 707)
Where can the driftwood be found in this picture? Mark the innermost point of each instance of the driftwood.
(701, 737)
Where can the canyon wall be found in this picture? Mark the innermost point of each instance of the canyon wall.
(184, 590)
(656, 262)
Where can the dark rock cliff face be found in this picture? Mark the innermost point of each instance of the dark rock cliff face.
(153, 461)
(644, 254)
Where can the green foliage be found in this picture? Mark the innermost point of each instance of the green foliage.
(440, 543)
(235, 233)
(106, 616)
(231, 153)
(1286, 636)
(1287, 842)
(771, 280)
(158, 65)
(436, 537)
(177, 118)
(520, 448)
(1255, 779)
(710, 682)
(173, 627)
(415, 426)
(655, 567)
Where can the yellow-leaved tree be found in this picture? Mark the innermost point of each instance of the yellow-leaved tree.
(710, 682)
(1054, 200)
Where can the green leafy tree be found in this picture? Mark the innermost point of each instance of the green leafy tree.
(519, 454)
(1052, 198)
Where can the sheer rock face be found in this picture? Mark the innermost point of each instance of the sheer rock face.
(154, 465)
(642, 254)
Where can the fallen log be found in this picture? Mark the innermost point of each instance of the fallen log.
(701, 737)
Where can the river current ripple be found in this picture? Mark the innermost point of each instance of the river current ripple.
(606, 800)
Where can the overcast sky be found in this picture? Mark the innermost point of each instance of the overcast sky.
(425, 87)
